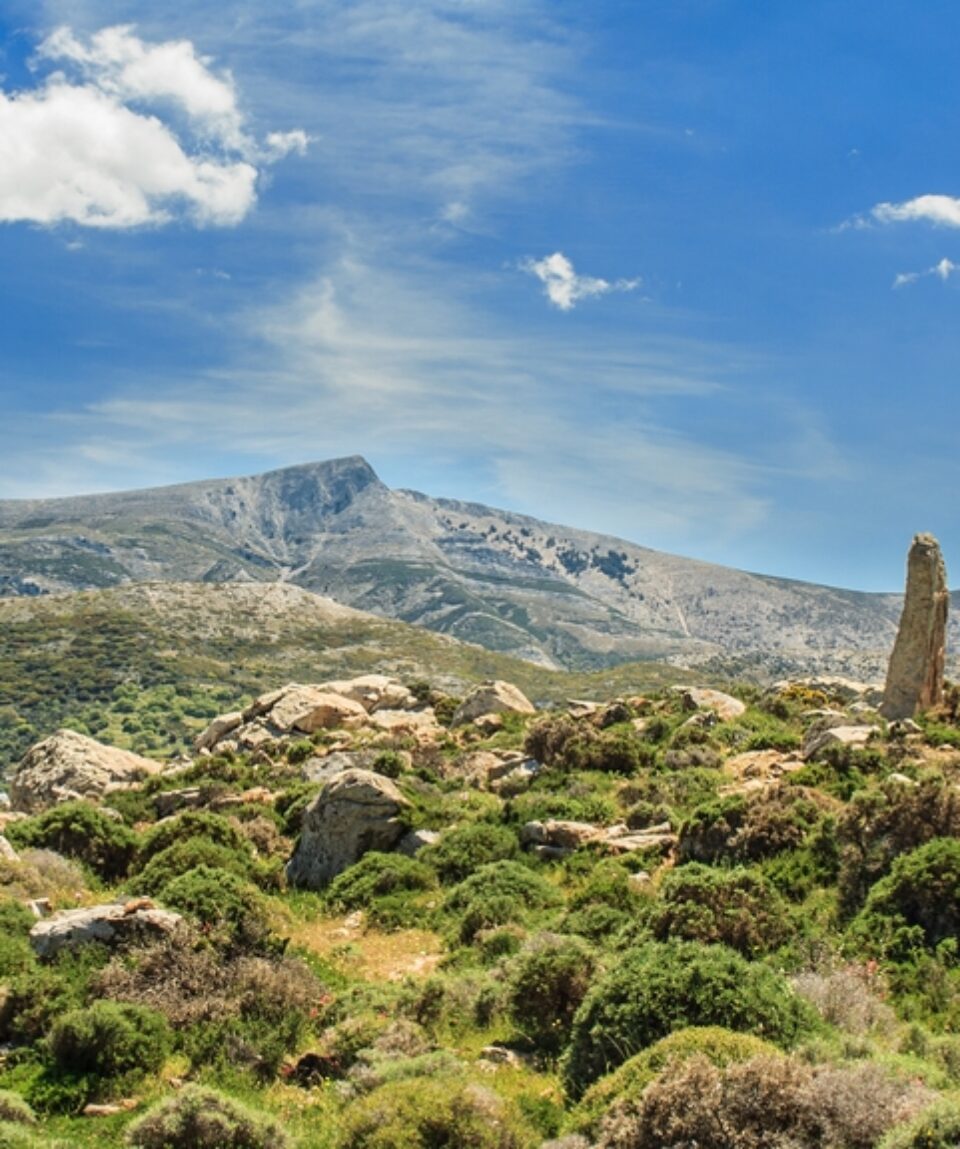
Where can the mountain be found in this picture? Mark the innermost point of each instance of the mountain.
(547, 593)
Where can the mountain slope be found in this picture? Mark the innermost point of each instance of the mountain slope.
(552, 594)
(146, 666)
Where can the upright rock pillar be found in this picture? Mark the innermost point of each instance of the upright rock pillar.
(915, 674)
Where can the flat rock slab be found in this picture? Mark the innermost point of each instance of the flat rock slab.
(115, 923)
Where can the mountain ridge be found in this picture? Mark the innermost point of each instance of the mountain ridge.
(556, 595)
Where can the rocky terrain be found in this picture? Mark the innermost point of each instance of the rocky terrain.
(367, 913)
(557, 596)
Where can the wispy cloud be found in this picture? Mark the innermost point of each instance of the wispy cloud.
(942, 270)
(140, 134)
(564, 288)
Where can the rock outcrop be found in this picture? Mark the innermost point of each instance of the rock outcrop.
(68, 765)
(915, 675)
(356, 811)
(296, 710)
(724, 706)
(492, 698)
(133, 920)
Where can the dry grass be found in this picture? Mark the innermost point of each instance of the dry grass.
(369, 953)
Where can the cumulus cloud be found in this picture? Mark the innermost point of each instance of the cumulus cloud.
(564, 288)
(127, 134)
(942, 270)
(942, 210)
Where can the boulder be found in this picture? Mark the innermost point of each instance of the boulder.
(818, 739)
(306, 709)
(132, 920)
(915, 674)
(374, 692)
(414, 841)
(724, 706)
(218, 729)
(494, 697)
(68, 765)
(356, 811)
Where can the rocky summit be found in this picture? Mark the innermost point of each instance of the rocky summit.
(551, 594)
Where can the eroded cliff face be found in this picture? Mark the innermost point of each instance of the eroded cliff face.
(915, 675)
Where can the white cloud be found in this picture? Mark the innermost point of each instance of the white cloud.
(942, 270)
(564, 288)
(94, 150)
(942, 210)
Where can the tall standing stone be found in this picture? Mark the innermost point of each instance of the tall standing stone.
(915, 674)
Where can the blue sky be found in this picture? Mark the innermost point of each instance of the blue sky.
(686, 272)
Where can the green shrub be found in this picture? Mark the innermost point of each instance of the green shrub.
(936, 1128)
(658, 987)
(198, 1118)
(16, 953)
(444, 1113)
(462, 850)
(180, 857)
(881, 824)
(79, 830)
(742, 829)
(919, 898)
(547, 982)
(225, 906)
(14, 1110)
(496, 894)
(375, 876)
(203, 824)
(719, 1046)
(734, 907)
(110, 1040)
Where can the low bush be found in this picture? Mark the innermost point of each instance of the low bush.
(883, 823)
(80, 831)
(443, 1113)
(202, 824)
(658, 987)
(719, 1046)
(743, 829)
(547, 982)
(917, 904)
(376, 876)
(462, 850)
(14, 1110)
(177, 859)
(228, 909)
(737, 908)
(110, 1040)
(198, 1118)
(496, 894)
(937, 1127)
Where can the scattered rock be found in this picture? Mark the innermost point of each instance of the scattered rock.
(356, 811)
(7, 852)
(558, 839)
(915, 674)
(725, 706)
(68, 765)
(764, 766)
(493, 697)
(134, 919)
(110, 1109)
(307, 709)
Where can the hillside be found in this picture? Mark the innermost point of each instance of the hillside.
(546, 593)
(144, 666)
